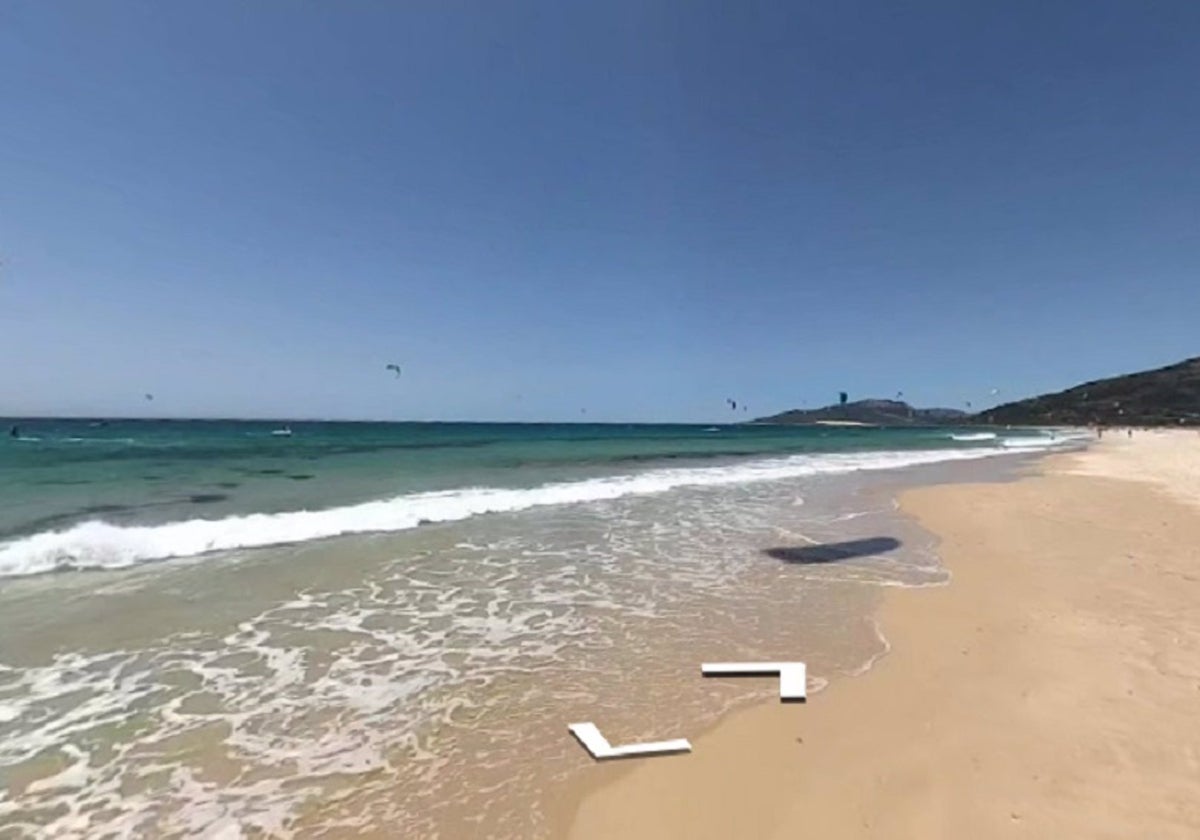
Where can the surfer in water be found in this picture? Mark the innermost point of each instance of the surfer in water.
(14, 432)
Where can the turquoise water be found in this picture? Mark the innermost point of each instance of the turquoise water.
(56, 475)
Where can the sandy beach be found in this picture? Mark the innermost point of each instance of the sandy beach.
(1051, 689)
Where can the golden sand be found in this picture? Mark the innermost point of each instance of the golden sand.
(1051, 690)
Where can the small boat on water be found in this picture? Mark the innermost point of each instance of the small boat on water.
(286, 431)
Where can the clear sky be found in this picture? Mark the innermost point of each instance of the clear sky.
(635, 207)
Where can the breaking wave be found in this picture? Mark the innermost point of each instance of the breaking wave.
(100, 545)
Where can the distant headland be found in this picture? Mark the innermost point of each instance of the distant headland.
(1168, 396)
(868, 413)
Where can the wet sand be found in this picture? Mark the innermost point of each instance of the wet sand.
(1052, 689)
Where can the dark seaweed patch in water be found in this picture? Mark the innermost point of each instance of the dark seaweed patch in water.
(152, 478)
(228, 485)
(257, 471)
(206, 498)
(61, 482)
(105, 509)
(300, 477)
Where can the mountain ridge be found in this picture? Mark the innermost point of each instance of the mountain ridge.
(1165, 396)
(870, 412)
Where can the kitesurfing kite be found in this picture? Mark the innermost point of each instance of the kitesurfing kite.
(732, 404)
(395, 368)
(842, 397)
(149, 396)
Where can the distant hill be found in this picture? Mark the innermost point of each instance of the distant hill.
(1166, 396)
(871, 412)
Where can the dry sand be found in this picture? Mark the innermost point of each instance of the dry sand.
(1165, 459)
(1051, 690)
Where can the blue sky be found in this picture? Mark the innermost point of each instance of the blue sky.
(640, 208)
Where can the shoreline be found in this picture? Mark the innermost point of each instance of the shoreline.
(400, 684)
(1000, 708)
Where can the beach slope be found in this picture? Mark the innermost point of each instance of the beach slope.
(1052, 689)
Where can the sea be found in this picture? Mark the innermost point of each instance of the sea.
(231, 629)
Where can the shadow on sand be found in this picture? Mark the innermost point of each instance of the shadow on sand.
(833, 552)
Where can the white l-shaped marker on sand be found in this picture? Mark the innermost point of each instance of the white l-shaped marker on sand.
(793, 676)
(596, 744)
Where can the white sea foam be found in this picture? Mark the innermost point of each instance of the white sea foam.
(1031, 442)
(974, 436)
(100, 545)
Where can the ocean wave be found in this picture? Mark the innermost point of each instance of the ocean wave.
(100, 545)
(974, 436)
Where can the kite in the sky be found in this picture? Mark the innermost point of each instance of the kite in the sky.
(149, 396)
(732, 404)
(395, 368)
(842, 397)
